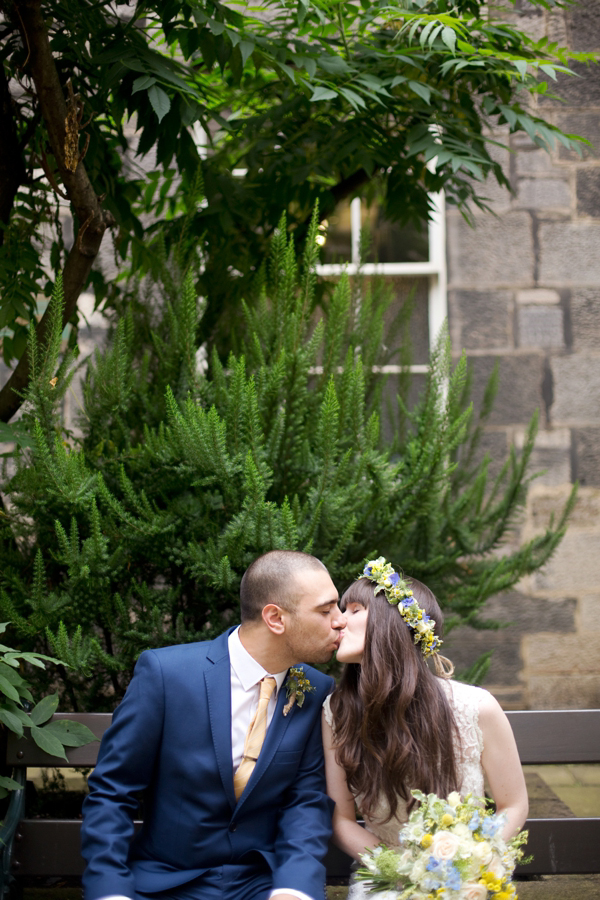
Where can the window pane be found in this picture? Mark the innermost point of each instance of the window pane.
(416, 291)
(336, 233)
(392, 242)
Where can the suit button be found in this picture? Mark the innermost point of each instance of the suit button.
(233, 827)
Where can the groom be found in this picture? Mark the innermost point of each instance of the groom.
(234, 796)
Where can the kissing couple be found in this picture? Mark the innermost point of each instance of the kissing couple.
(248, 758)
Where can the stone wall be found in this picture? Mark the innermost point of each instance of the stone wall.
(524, 291)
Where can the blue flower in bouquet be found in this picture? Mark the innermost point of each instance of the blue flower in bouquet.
(475, 821)
(491, 825)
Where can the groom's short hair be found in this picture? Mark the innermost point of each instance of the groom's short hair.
(271, 579)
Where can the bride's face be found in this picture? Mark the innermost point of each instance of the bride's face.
(352, 644)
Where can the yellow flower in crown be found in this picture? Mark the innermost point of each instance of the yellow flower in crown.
(398, 593)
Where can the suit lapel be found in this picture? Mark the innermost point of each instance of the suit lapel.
(218, 689)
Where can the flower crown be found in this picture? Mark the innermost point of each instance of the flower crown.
(398, 593)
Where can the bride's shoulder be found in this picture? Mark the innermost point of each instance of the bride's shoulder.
(461, 690)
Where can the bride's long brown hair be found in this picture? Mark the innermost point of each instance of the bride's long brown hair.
(393, 725)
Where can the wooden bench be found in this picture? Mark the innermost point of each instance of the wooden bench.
(50, 847)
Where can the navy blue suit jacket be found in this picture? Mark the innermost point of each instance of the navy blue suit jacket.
(171, 738)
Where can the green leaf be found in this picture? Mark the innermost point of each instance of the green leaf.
(10, 784)
(246, 49)
(160, 101)
(334, 64)
(421, 89)
(217, 28)
(449, 38)
(7, 688)
(355, 100)
(323, 93)
(47, 742)
(521, 66)
(45, 709)
(549, 70)
(11, 722)
(143, 82)
(71, 734)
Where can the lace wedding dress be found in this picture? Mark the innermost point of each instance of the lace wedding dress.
(464, 700)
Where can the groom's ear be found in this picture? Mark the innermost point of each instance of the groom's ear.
(273, 617)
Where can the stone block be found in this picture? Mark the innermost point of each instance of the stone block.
(493, 444)
(519, 391)
(565, 654)
(587, 456)
(484, 318)
(574, 567)
(498, 196)
(583, 25)
(524, 615)
(544, 503)
(540, 326)
(557, 692)
(576, 389)
(556, 27)
(538, 295)
(551, 455)
(588, 193)
(575, 91)
(465, 645)
(585, 319)
(533, 162)
(521, 615)
(585, 124)
(588, 613)
(498, 252)
(543, 193)
(569, 253)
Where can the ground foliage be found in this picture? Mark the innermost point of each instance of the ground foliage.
(135, 532)
(301, 102)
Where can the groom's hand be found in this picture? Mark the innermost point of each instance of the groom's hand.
(284, 896)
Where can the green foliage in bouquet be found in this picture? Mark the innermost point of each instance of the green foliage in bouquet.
(17, 712)
(134, 531)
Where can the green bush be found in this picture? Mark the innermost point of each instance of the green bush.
(135, 532)
(19, 715)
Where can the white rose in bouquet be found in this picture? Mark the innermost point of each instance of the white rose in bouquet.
(473, 891)
(445, 845)
(482, 852)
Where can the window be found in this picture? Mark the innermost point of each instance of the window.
(401, 255)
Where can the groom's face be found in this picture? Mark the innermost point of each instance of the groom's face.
(313, 628)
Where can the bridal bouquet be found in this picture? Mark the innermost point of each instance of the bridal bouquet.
(450, 849)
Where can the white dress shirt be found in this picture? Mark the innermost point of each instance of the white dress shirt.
(246, 675)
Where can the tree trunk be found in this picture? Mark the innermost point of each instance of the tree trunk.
(93, 219)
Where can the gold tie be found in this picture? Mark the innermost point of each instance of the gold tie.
(255, 737)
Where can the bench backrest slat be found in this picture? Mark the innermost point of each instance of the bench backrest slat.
(543, 737)
(557, 735)
(24, 752)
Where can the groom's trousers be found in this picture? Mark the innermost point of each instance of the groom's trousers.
(229, 882)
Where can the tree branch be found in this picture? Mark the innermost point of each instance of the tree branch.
(12, 168)
(93, 219)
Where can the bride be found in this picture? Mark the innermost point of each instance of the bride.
(393, 725)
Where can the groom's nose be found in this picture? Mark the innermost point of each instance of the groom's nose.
(339, 619)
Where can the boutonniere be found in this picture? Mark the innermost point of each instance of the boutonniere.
(297, 686)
